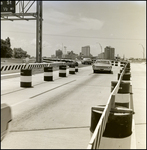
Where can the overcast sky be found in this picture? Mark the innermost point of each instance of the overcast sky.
(74, 24)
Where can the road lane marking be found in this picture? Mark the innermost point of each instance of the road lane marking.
(41, 93)
(64, 128)
(52, 89)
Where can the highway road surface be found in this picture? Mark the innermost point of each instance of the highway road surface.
(54, 114)
(57, 114)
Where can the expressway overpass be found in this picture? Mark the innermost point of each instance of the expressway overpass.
(57, 114)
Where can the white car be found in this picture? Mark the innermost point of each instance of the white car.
(102, 65)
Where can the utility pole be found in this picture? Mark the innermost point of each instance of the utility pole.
(39, 32)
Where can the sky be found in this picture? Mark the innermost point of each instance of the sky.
(74, 24)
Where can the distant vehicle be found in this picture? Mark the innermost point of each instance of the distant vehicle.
(102, 65)
(86, 61)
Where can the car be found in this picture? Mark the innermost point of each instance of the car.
(102, 66)
(86, 61)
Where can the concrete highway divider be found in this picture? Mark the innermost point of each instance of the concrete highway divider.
(6, 118)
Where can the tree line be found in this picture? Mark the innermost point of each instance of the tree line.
(8, 52)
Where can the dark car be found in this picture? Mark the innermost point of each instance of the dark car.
(86, 61)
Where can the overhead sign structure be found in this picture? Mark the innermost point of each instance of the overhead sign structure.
(20, 10)
(8, 6)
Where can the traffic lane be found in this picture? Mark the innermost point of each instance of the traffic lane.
(62, 108)
(68, 100)
(11, 85)
(9, 91)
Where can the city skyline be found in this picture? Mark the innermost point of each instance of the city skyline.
(74, 24)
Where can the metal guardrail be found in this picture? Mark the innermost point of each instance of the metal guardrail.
(99, 130)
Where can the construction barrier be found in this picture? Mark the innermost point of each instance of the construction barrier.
(48, 73)
(116, 63)
(122, 97)
(26, 78)
(123, 88)
(72, 69)
(76, 66)
(62, 71)
(126, 76)
(119, 124)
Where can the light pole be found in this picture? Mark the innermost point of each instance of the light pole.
(143, 50)
(65, 49)
(101, 48)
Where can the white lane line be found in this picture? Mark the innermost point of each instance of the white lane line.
(43, 93)
(9, 74)
(52, 89)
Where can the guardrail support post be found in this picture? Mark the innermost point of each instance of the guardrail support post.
(122, 98)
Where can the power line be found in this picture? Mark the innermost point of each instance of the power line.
(74, 36)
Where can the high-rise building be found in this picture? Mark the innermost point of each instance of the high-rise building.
(109, 53)
(59, 53)
(86, 51)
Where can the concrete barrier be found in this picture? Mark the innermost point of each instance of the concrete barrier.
(6, 118)
(48, 73)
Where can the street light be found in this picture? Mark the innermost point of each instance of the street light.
(143, 50)
(101, 48)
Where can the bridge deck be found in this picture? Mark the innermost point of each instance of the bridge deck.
(48, 130)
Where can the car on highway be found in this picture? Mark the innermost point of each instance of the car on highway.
(101, 65)
(86, 61)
